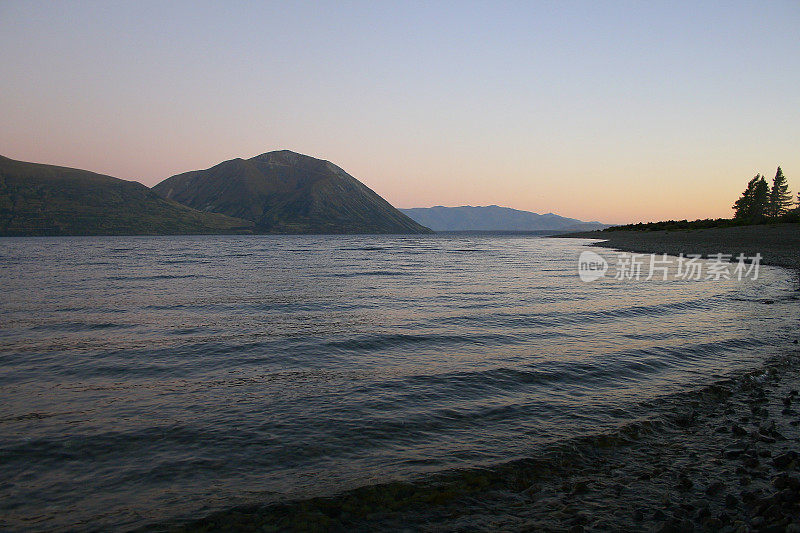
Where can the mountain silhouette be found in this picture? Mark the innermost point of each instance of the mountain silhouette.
(287, 192)
(494, 218)
(37, 199)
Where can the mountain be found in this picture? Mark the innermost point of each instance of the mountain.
(286, 192)
(494, 218)
(40, 199)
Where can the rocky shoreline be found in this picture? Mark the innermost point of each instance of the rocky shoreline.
(722, 458)
(778, 244)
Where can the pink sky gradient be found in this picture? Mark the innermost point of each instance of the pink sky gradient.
(620, 112)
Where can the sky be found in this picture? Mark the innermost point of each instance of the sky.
(611, 111)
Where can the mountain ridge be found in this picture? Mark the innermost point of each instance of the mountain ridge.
(494, 218)
(37, 199)
(286, 192)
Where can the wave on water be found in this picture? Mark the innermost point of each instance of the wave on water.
(151, 380)
(426, 497)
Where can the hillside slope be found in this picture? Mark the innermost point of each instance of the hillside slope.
(286, 192)
(38, 199)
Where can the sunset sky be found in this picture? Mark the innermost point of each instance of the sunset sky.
(610, 111)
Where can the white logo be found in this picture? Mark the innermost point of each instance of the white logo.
(591, 266)
(716, 267)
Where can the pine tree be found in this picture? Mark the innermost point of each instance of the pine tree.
(760, 199)
(780, 199)
(742, 207)
(753, 203)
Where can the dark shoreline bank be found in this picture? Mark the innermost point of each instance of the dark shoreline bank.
(778, 244)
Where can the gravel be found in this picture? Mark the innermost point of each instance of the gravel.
(778, 244)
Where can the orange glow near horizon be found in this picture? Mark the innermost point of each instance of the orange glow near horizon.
(611, 113)
(605, 194)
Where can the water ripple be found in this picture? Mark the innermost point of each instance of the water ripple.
(150, 378)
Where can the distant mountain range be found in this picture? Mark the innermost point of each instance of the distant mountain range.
(40, 199)
(494, 218)
(286, 192)
(275, 192)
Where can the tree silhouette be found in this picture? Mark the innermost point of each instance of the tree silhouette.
(780, 199)
(753, 203)
(760, 199)
(742, 206)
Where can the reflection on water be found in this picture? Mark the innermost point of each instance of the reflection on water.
(158, 377)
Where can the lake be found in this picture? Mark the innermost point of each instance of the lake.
(146, 379)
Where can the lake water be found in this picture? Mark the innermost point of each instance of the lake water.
(158, 378)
